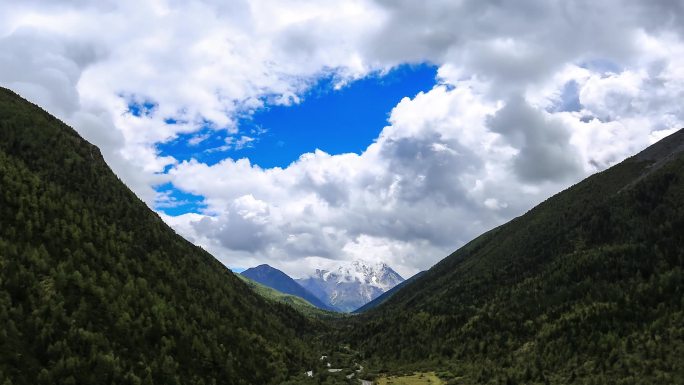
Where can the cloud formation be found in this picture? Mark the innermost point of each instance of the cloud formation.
(531, 97)
(543, 143)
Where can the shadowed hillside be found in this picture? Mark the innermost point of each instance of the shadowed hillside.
(387, 295)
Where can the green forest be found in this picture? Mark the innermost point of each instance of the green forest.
(96, 289)
(586, 288)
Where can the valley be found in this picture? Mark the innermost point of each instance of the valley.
(584, 288)
(415, 379)
(366, 192)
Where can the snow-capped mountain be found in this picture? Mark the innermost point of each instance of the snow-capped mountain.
(351, 285)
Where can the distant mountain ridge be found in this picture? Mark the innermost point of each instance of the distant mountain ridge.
(352, 284)
(301, 305)
(278, 280)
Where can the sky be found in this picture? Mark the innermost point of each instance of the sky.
(306, 133)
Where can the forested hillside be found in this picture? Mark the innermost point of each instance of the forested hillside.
(386, 295)
(96, 289)
(586, 288)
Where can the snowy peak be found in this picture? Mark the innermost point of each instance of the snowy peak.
(352, 284)
(374, 274)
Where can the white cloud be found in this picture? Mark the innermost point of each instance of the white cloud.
(435, 178)
(533, 96)
(199, 61)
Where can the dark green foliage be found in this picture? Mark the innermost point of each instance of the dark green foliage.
(96, 289)
(334, 358)
(386, 295)
(586, 288)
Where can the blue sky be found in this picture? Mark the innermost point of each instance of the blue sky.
(335, 121)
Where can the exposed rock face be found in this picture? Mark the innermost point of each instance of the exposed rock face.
(351, 285)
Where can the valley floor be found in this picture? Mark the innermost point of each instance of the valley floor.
(429, 378)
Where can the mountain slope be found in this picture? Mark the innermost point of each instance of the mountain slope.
(351, 285)
(386, 295)
(276, 279)
(587, 287)
(294, 301)
(95, 288)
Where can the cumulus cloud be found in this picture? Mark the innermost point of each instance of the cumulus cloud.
(543, 143)
(42, 68)
(531, 97)
(432, 180)
(200, 63)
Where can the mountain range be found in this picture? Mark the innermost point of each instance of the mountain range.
(351, 285)
(276, 279)
(301, 305)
